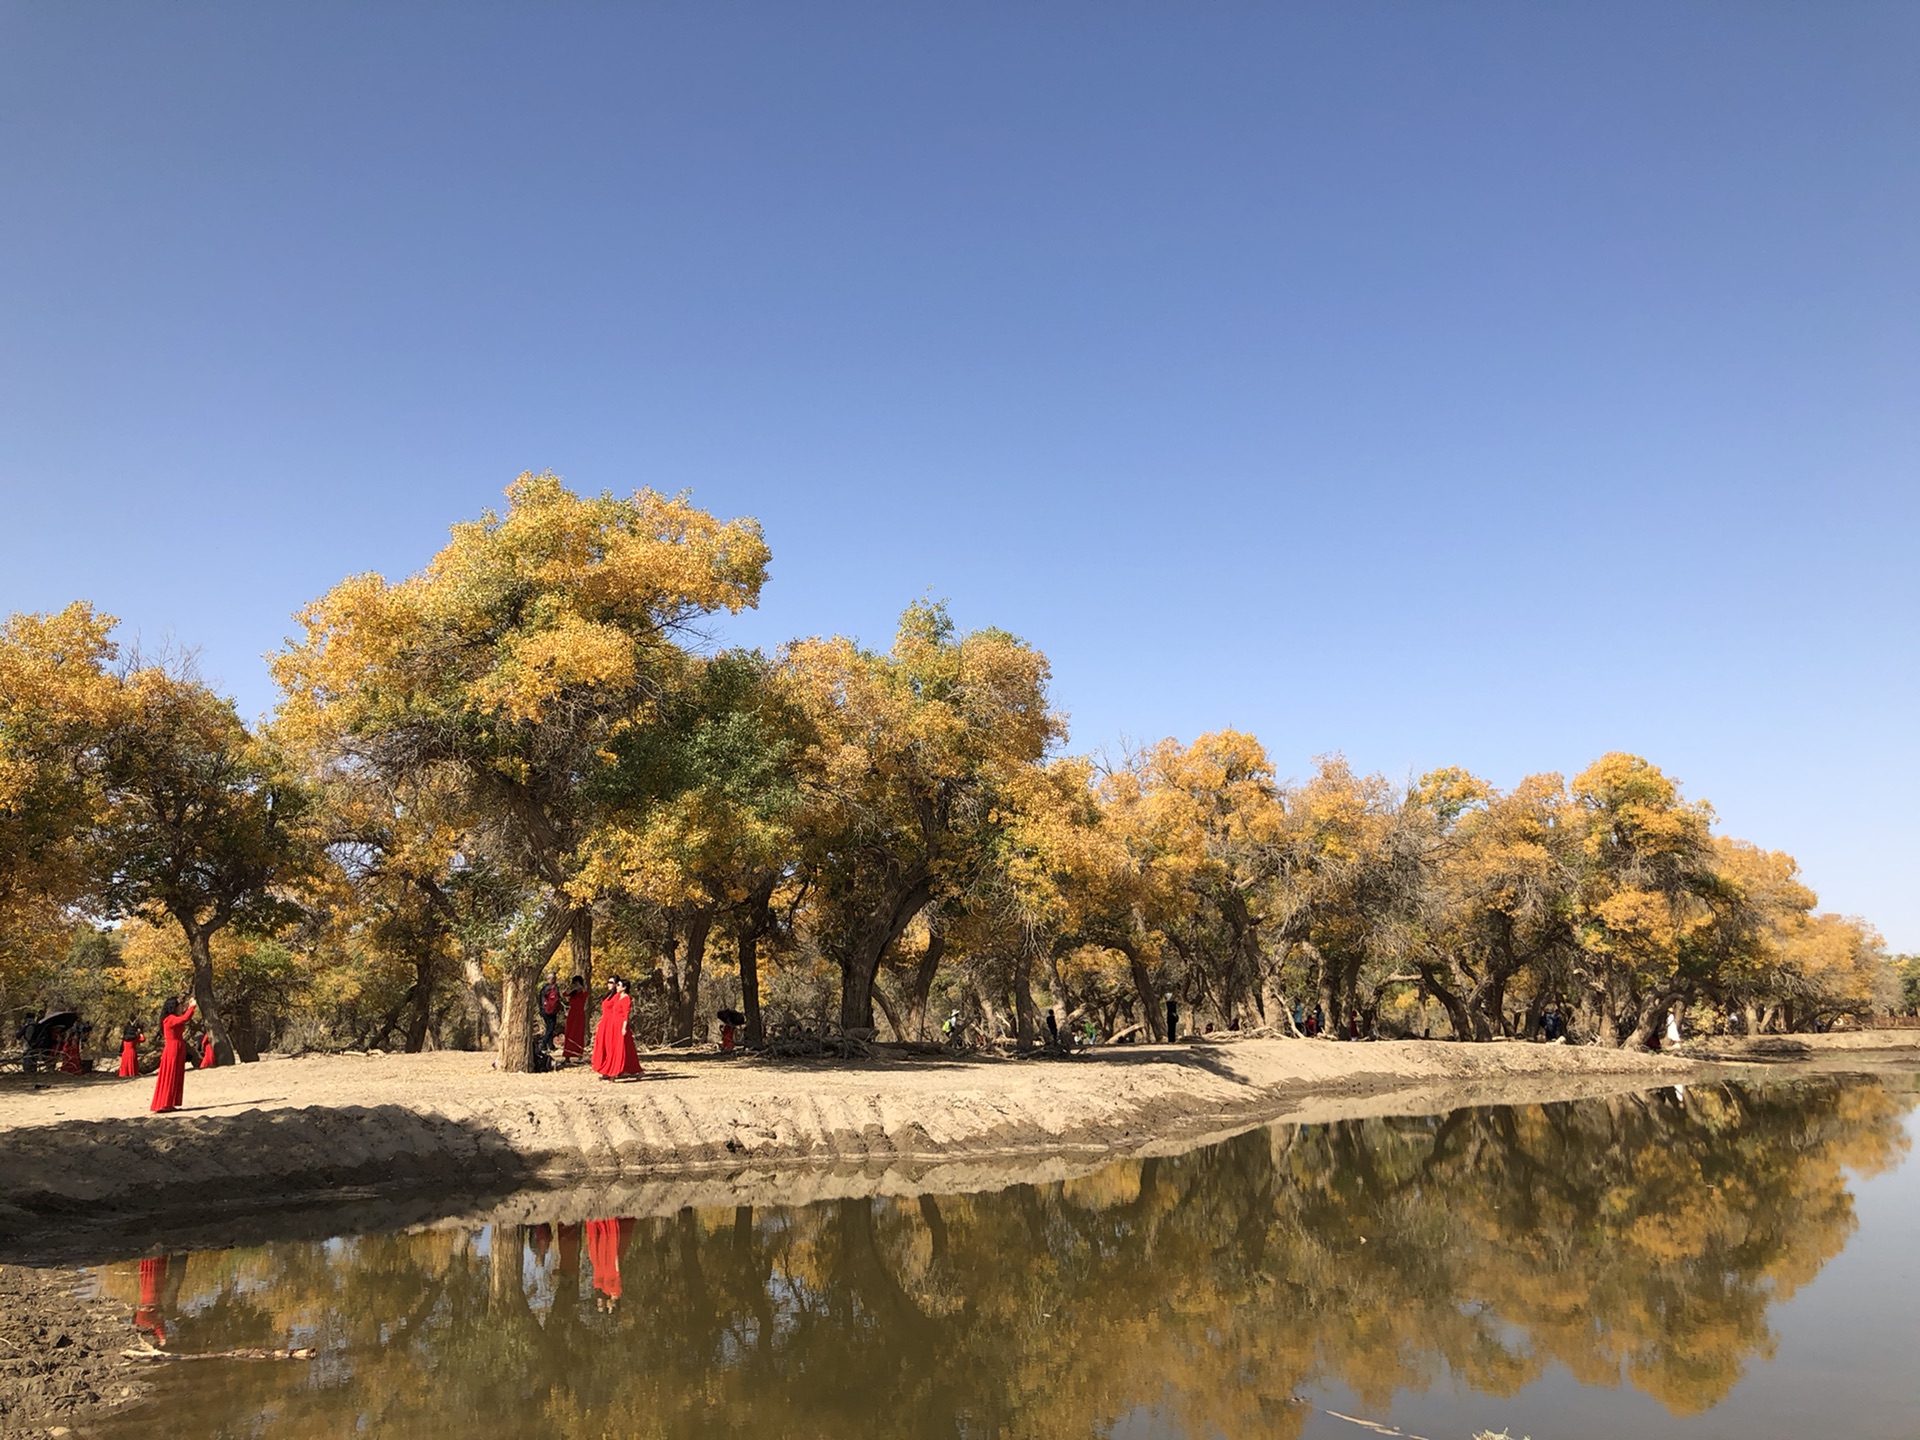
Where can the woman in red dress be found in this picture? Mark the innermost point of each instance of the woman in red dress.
(613, 1051)
(131, 1040)
(171, 1082)
(575, 1043)
(209, 1057)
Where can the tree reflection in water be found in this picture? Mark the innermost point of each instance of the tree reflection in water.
(1638, 1239)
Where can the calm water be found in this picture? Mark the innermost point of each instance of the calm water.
(1719, 1262)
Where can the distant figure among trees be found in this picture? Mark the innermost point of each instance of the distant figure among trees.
(575, 1044)
(131, 1038)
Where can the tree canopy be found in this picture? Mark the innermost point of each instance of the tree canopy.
(534, 742)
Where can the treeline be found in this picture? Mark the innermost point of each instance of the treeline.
(521, 758)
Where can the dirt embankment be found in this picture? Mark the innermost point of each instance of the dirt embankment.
(80, 1154)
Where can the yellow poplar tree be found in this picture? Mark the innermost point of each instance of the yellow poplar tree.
(510, 663)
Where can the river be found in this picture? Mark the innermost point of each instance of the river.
(1727, 1260)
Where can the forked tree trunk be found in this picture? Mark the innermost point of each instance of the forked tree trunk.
(685, 964)
(920, 986)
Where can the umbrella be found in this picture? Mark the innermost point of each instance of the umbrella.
(730, 1017)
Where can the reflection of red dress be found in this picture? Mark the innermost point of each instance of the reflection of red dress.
(153, 1279)
(170, 1083)
(605, 1240)
(613, 1051)
(575, 1043)
(130, 1057)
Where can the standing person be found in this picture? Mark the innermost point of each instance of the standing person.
(549, 1011)
(209, 1057)
(1053, 1029)
(613, 1050)
(575, 1043)
(131, 1039)
(1173, 1019)
(169, 1082)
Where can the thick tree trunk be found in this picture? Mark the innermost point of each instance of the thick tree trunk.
(580, 944)
(1647, 1024)
(867, 945)
(1330, 999)
(1458, 1016)
(886, 1008)
(1607, 1026)
(1149, 1002)
(520, 1027)
(920, 985)
(482, 1004)
(1023, 1007)
(200, 947)
(420, 1003)
(686, 963)
(746, 947)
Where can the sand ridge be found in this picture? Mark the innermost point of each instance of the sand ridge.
(304, 1128)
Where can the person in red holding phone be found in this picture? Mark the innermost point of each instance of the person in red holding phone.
(170, 1083)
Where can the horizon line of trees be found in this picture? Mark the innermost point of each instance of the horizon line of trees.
(520, 758)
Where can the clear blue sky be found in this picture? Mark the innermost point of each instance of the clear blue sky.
(1492, 384)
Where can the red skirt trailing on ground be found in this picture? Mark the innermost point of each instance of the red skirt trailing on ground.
(209, 1057)
(575, 1043)
(614, 1054)
(170, 1083)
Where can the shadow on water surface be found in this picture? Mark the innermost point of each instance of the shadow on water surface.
(1640, 1239)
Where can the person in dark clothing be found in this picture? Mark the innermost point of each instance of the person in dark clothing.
(1053, 1029)
(1173, 1019)
(549, 1012)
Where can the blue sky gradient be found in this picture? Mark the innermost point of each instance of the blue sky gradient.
(1491, 384)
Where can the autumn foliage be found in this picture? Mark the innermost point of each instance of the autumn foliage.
(528, 756)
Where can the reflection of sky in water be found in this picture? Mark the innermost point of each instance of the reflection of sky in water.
(1432, 1275)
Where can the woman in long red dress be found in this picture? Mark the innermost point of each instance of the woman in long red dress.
(613, 1052)
(209, 1057)
(131, 1039)
(575, 1043)
(170, 1083)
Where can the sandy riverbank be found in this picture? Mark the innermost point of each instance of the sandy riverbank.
(82, 1153)
(82, 1163)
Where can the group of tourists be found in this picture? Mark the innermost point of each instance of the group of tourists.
(563, 1017)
